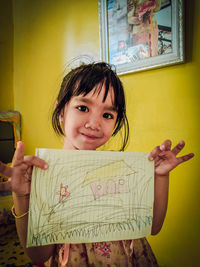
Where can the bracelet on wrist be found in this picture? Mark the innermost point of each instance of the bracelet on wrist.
(16, 216)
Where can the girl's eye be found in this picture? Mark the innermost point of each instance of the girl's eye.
(108, 116)
(83, 108)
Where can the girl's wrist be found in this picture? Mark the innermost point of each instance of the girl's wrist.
(20, 196)
(21, 203)
(166, 176)
(18, 216)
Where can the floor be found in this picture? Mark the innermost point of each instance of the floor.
(11, 252)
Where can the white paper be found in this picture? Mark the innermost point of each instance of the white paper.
(90, 196)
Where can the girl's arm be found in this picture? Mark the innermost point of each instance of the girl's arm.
(37, 254)
(165, 160)
(161, 185)
(19, 183)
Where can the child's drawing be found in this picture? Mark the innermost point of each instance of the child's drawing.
(63, 193)
(90, 196)
(109, 178)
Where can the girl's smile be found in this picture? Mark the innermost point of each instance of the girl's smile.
(89, 137)
(88, 121)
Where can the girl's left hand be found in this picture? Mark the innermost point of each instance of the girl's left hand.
(166, 158)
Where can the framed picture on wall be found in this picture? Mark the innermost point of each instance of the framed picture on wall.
(137, 35)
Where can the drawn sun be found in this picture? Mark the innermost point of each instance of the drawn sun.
(63, 192)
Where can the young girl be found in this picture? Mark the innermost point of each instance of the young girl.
(90, 108)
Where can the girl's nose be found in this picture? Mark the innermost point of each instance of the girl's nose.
(93, 123)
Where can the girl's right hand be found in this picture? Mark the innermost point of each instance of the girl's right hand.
(20, 173)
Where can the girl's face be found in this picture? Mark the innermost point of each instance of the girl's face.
(87, 121)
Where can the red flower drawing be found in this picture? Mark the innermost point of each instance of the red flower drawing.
(63, 192)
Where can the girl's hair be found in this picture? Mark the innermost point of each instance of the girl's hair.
(82, 80)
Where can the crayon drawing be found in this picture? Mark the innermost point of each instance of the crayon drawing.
(90, 196)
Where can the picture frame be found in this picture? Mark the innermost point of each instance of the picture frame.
(141, 35)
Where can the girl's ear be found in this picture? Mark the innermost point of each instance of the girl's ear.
(61, 117)
(61, 113)
(56, 104)
(61, 120)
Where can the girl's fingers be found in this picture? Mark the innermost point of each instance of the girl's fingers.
(28, 160)
(166, 145)
(155, 152)
(185, 158)
(5, 170)
(19, 154)
(5, 186)
(35, 161)
(178, 147)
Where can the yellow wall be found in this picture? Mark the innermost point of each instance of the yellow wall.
(6, 56)
(162, 103)
(47, 37)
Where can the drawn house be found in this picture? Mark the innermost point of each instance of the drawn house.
(111, 178)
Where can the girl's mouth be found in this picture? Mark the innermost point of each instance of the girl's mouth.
(89, 136)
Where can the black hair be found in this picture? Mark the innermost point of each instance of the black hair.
(82, 80)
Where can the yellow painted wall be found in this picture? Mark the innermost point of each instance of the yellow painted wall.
(6, 55)
(162, 103)
(47, 36)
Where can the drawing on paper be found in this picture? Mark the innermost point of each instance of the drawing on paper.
(90, 196)
(103, 179)
(63, 193)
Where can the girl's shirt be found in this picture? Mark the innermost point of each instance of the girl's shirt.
(127, 253)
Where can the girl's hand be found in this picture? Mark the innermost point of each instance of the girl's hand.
(166, 158)
(20, 173)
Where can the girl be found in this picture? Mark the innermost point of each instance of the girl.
(90, 108)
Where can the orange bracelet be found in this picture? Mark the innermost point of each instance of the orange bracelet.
(14, 214)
